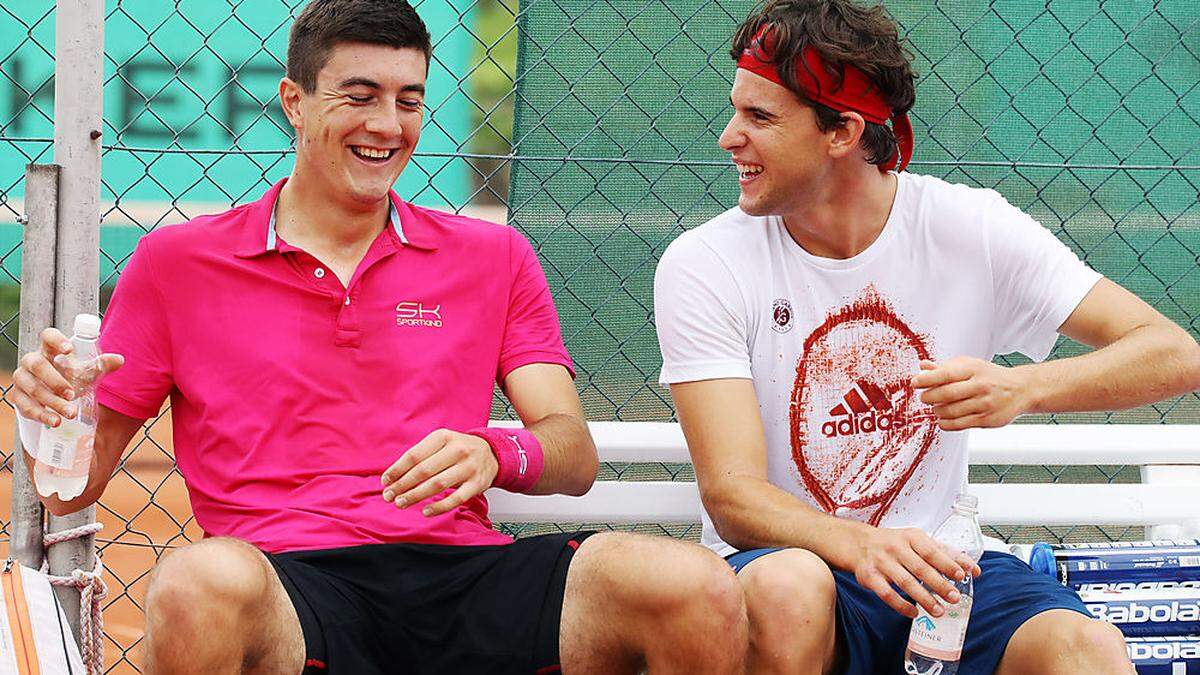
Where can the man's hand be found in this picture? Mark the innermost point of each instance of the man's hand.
(41, 388)
(909, 558)
(441, 461)
(967, 392)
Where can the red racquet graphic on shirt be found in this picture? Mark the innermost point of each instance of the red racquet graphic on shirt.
(858, 429)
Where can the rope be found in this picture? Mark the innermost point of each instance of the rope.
(92, 592)
(51, 538)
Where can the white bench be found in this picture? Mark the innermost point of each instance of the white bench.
(1168, 498)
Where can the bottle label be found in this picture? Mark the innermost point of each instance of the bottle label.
(59, 446)
(941, 637)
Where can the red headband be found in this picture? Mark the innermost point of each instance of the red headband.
(857, 93)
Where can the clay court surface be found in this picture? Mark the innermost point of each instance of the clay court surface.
(135, 530)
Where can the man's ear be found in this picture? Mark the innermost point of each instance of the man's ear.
(289, 98)
(845, 137)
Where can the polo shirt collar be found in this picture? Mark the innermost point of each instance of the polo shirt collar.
(262, 239)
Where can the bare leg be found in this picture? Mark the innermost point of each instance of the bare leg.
(1061, 641)
(218, 607)
(791, 598)
(633, 601)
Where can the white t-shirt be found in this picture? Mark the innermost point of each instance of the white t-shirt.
(832, 344)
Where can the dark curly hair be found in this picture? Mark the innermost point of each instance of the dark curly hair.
(844, 33)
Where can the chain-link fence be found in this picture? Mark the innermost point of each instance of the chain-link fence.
(1084, 113)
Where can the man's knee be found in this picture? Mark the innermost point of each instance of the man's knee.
(1099, 642)
(1061, 640)
(634, 601)
(790, 588)
(215, 574)
(719, 591)
(660, 577)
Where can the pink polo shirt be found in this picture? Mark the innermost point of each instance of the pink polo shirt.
(291, 394)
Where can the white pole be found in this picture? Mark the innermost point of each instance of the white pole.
(78, 122)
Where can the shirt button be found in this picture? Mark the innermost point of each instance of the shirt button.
(347, 300)
(319, 273)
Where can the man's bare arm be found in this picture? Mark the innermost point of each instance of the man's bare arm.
(544, 397)
(1140, 357)
(721, 422)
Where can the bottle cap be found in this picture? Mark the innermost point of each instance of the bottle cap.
(1041, 559)
(967, 501)
(87, 326)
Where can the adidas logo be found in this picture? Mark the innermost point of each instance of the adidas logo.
(868, 408)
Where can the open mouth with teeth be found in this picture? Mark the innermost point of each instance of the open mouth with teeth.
(372, 155)
(748, 171)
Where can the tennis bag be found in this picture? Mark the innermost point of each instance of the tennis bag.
(35, 638)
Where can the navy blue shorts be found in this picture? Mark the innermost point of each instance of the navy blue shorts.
(872, 636)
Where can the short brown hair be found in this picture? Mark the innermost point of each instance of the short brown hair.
(324, 24)
(844, 33)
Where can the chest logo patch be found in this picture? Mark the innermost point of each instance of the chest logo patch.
(781, 315)
(422, 314)
(858, 429)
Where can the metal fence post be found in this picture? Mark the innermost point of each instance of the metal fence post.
(78, 122)
(37, 312)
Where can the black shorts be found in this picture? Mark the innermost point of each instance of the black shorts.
(420, 608)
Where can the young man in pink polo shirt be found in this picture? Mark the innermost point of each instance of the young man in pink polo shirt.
(330, 353)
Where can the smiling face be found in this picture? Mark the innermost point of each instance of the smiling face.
(357, 129)
(774, 141)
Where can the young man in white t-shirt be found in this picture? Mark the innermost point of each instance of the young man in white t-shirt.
(827, 342)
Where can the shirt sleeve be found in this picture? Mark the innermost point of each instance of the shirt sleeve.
(531, 333)
(699, 314)
(135, 326)
(1038, 282)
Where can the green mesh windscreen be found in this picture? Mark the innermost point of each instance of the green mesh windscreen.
(1082, 113)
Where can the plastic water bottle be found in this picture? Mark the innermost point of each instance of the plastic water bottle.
(935, 643)
(65, 452)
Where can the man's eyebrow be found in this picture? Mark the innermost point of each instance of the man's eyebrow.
(372, 84)
(359, 82)
(762, 112)
(754, 109)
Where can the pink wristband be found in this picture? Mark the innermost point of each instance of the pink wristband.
(519, 455)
